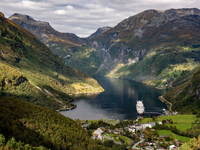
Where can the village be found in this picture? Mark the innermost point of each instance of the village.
(165, 131)
(131, 133)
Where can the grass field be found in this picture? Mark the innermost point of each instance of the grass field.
(175, 136)
(126, 139)
(179, 119)
(181, 127)
(182, 122)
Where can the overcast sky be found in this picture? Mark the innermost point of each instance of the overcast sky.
(84, 17)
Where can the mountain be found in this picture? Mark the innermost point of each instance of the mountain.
(31, 72)
(61, 44)
(99, 32)
(154, 46)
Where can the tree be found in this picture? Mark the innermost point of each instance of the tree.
(195, 112)
(154, 118)
(192, 144)
(2, 140)
(164, 121)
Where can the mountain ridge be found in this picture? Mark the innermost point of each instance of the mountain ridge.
(121, 50)
(30, 71)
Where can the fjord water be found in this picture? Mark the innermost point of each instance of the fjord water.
(118, 101)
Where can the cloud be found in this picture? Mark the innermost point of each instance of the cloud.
(83, 17)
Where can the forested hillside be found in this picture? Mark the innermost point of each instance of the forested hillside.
(186, 97)
(31, 72)
(40, 126)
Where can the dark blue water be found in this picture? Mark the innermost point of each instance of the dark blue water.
(118, 101)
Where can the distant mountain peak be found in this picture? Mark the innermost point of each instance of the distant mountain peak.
(99, 31)
(22, 17)
(44, 31)
(27, 19)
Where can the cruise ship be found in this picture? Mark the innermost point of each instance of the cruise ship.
(140, 107)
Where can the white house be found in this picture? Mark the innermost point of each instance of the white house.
(131, 129)
(98, 134)
(150, 125)
(159, 122)
(172, 147)
(138, 127)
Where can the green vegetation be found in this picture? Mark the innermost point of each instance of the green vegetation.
(31, 72)
(39, 126)
(87, 61)
(175, 136)
(178, 119)
(161, 67)
(111, 121)
(181, 127)
(13, 144)
(192, 144)
(185, 98)
(182, 122)
(120, 138)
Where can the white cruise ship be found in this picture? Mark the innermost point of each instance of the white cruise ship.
(140, 107)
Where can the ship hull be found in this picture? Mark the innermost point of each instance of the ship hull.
(140, 107)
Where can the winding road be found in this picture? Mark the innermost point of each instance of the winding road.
(134, 146)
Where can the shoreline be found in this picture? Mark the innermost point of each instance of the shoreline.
(77, 94)
(168, 104)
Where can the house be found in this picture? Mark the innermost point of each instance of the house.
(162, 136)
(150, 125)
(98, 134)
(159, 122)
(116, 132)
(131, 129)
(172, 147)
(138, 127)
(167, 121)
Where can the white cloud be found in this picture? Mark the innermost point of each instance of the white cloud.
(83, 17)
(60, 12)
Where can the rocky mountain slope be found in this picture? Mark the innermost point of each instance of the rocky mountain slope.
(30, 71)
(155, 47)
(99, 32)
(61, 44)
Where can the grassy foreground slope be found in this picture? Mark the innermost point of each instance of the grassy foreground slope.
(31, 72)
(40, 126)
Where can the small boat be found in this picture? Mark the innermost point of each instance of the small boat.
(140, 107)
